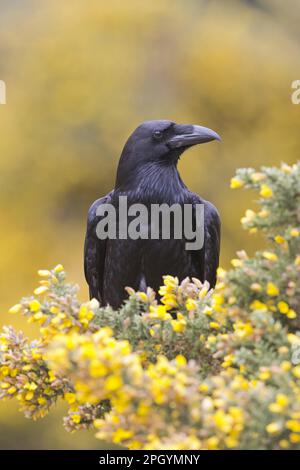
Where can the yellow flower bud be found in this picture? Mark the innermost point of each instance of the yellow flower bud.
(180, 360)
(76, 418)
(16, 308)
(59, 268)
(272, 290)
(270, 256)
(34, 305)
(283, 307)
(40, 290)
(44, 273)
(236, 183)
(266, 191)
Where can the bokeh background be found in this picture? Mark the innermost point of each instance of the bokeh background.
(80, 76)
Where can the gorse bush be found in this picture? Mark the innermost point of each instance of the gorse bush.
(196, 369)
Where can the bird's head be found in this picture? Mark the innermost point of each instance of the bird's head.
(160, 142)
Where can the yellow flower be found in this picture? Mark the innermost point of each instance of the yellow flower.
(243, 330)
(34, 305)
(85, 315)
(279, 239)
(218, 300)
(222, 421)
(211, 339)
(297, 260)
(272, 290)
(70, 397)
(16, 308)
(294, 232)
(266, 191)
(159, 312)
(264, 375)
(52, 376)
(296, 372)
(54, 310)
(203, 387)
(270, 256)
(42, 401)
(39, 316)
(207, 310)
(237, 263)
(142, 296)
(294, 438)
(143, 409)
(179, 324)
(191, 305)
(76, 418)
(291, 313)
(169, 300)
(112, 383)
(170, 284)
(4, 371)
(293, 339)
(180, 360)
(212, 443)
(282, 400)
(214, 325)
(59, 268)
(248, 217)
(273, 428)
(221, 273)
(4, 385)
(236, 183)
(121, 435)
(284, 443)
(228, 360)
(258, 305)
(285, 366)
(293, 425)
(30, 386)
(29, 396)
(97, 369)
(283, 307)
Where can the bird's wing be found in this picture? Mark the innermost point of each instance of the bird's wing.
(209, 254)
(94, 251)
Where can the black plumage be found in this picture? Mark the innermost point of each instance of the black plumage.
(147, 174)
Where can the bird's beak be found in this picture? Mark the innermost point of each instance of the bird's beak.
(188, 136)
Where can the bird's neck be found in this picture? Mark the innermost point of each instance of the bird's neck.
(155, 183)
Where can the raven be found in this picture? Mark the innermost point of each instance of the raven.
(147, 174)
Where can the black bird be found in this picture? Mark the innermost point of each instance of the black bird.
(147, 174)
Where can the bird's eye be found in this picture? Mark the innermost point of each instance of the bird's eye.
(157, 135)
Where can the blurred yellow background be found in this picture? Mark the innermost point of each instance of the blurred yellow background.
(80, 76)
